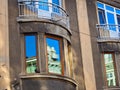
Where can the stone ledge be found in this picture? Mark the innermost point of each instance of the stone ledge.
(49, 76)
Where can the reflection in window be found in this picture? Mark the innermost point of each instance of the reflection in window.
(110, 70)
(53, 53)
(30, 48)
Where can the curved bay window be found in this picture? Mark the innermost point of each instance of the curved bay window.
(47, 54)
(54, 55)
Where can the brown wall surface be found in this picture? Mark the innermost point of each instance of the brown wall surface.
(84, 7)
(71, 8)
(46, 84)
(14, 38)
(92, 20)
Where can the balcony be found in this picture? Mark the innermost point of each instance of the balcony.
(42, 11)
(108, 32)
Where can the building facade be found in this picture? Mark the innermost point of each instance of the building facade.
(59, 45)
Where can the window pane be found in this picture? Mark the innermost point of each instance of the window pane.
(111, 21)
(55, 8)
(43, 4)
(110, 71)
(55, 2)
(118, 11)
(118, 21)
(100, 5)
(53, 52)
(31, 60)
(109, 8)
(101, 15)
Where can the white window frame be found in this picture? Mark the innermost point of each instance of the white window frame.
(112, 33)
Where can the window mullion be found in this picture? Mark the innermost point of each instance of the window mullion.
(42, 54)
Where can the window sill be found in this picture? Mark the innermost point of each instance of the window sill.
(112, 88)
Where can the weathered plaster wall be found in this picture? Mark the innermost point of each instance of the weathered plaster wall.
(86, 45)
(4, 46)
(71, 9)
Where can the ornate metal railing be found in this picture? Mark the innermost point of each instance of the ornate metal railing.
(39, 9)
(108, 31)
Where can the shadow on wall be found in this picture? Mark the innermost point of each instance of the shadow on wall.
(78, 71)
(82, 75)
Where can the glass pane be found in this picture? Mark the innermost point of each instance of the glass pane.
(109, 8)
(110, 71)
(111, 21)
(118, 20)
(31, 60)
(100, 5)
(55, 8)
(101, 15)
(53, 52)
(118, 11)
(43, 4)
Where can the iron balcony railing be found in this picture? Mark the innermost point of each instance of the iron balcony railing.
(38, 9)
(108, 31)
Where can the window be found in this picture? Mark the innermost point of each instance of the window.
(118, 20)
(49, 5)
(46, 54)
(30, 53)
(108, 15)
(110, 69)
(101, 15)
(43, 4)
(54, 55)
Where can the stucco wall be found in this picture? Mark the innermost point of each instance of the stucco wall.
(86, 45)
(4, 46)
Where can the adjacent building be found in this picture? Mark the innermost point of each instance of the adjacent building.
(60, 45)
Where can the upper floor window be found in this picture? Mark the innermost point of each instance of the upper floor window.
(110, 69)
(101, 15)
(108, 15)
(108, 18)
